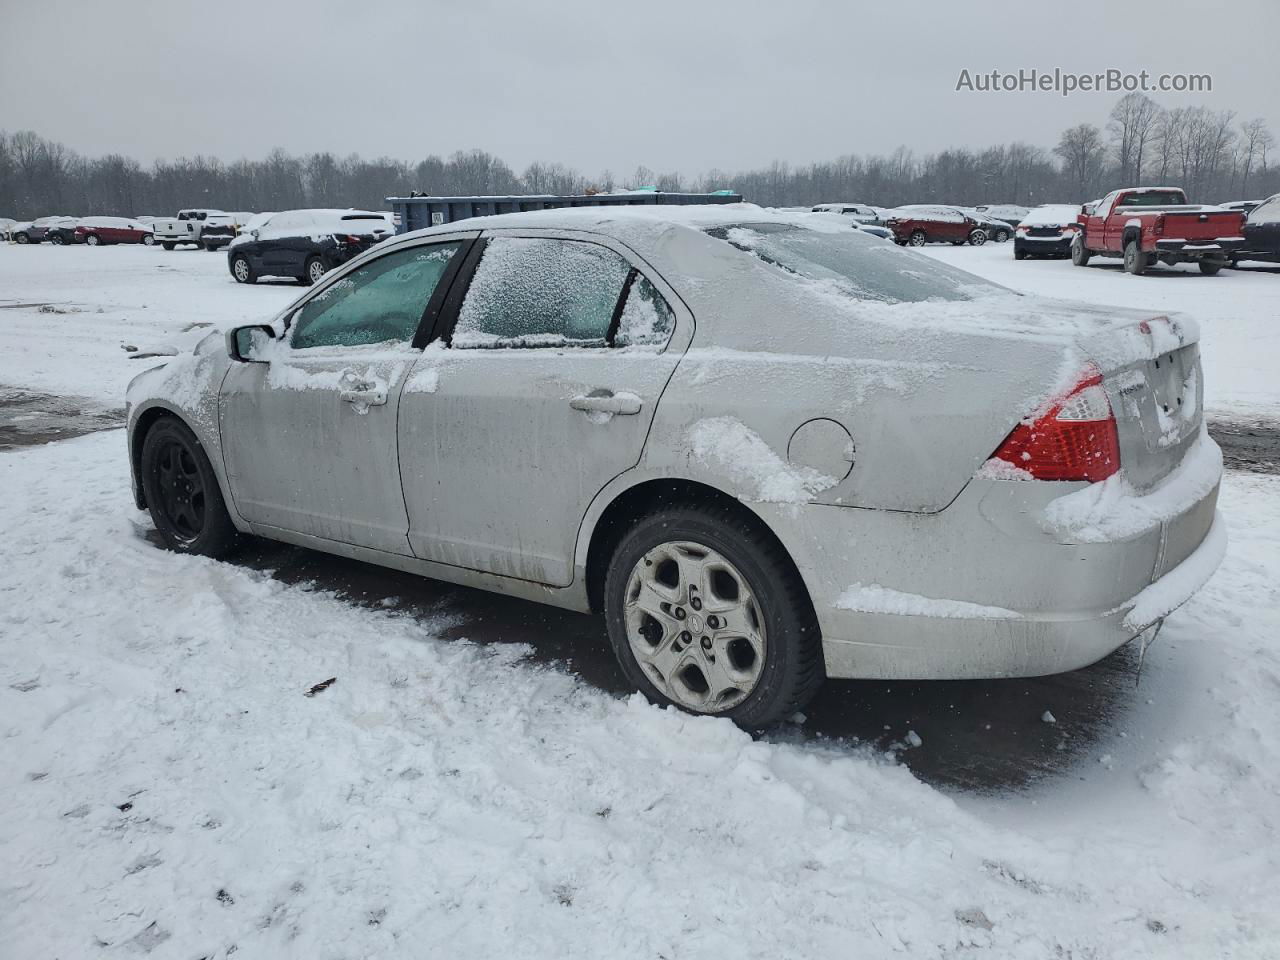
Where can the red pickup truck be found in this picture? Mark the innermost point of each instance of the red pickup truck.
(1146, 225)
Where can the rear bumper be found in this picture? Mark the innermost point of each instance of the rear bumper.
(982, 590)
(1196, 249)
(1043, 246)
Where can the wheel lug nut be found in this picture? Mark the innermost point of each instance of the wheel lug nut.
(695, 603)
(680, 614)
(686, 637)
(706, 643)
(713, 622)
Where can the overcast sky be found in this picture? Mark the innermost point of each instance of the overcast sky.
(685, 86)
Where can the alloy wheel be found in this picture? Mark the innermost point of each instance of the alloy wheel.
(182, 491)
(695, 627)
(241, 268)
(315, 270)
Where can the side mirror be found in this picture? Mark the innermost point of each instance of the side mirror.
(250, 344)
(254, 234)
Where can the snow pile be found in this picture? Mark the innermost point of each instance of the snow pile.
(170, 791)
(873, 598)
(1114, 510)
(730, 447)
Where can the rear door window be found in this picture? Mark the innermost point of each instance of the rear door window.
(544, 292)
(382, 301)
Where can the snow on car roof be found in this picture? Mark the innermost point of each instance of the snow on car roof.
(1052, 214)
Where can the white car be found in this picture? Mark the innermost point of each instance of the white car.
(770, 449)
(860, 212)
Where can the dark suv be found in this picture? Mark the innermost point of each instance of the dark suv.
(303, 244)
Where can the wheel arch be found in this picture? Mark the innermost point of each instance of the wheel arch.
(629, 504)
(142, 422)
(1131, 234)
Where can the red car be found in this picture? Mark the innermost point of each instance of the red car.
(921, 224)
(96, 231)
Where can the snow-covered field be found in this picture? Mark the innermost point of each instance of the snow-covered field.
(170, 791)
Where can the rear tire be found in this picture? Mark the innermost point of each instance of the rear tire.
(1001, 236)
(168, 245)
(1080, 254)
(917, 238)
(93, 240)
(1210, 267)
(182, 492)
(21, 238)
(977, 238)
(242, 269)
(148, 240)
(56, 240)
(743, 643)
(1135, 261)
(1019, 254)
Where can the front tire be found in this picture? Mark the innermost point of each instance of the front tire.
(1080, 254)
(705, 612)
(1001, 236)
(1019, 254)
(242, 270)
(978, 237)
(56, 240)
(148, 240)
(93, 240)
(313, 271)
(182, 492)
(21, 238)
(917, 238)
(169, 245)
(1135, 261)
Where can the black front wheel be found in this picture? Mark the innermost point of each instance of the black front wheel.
(182, 491)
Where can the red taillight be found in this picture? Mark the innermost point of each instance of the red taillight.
(1159, 225)
(1075, 440)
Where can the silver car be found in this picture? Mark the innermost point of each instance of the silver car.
(767, 452)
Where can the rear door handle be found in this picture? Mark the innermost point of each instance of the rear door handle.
(623, 404)
(372, 397)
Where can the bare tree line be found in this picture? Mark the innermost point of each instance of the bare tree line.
(1214, 157)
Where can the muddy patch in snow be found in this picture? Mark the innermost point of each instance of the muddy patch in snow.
(28, 418)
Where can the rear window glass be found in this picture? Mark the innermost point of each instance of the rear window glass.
(857, 264)
(1153, 198)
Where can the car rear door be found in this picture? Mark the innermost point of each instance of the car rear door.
(543, 394)
(309, 435)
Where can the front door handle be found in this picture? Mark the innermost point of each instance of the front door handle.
(622, 404)
(370, 397)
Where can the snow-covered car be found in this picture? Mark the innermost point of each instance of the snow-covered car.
(220, 229)
(101, 231)
(6, 227)
(304, 244)
(916, 224)
(1047, 231)
(995, 229)
(33, 231)
(861, 212)
(62, 233)
(1262, 232)
(767, 448)
(1009, 213)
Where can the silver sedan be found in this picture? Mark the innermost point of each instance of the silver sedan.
(768, 449)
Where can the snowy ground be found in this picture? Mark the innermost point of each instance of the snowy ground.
(170, 791)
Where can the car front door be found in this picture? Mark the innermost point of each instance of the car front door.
(542, 395)
(309, 435)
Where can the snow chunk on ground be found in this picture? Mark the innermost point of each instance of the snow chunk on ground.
(729, 445)
(874, 598)
(1114, 510)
